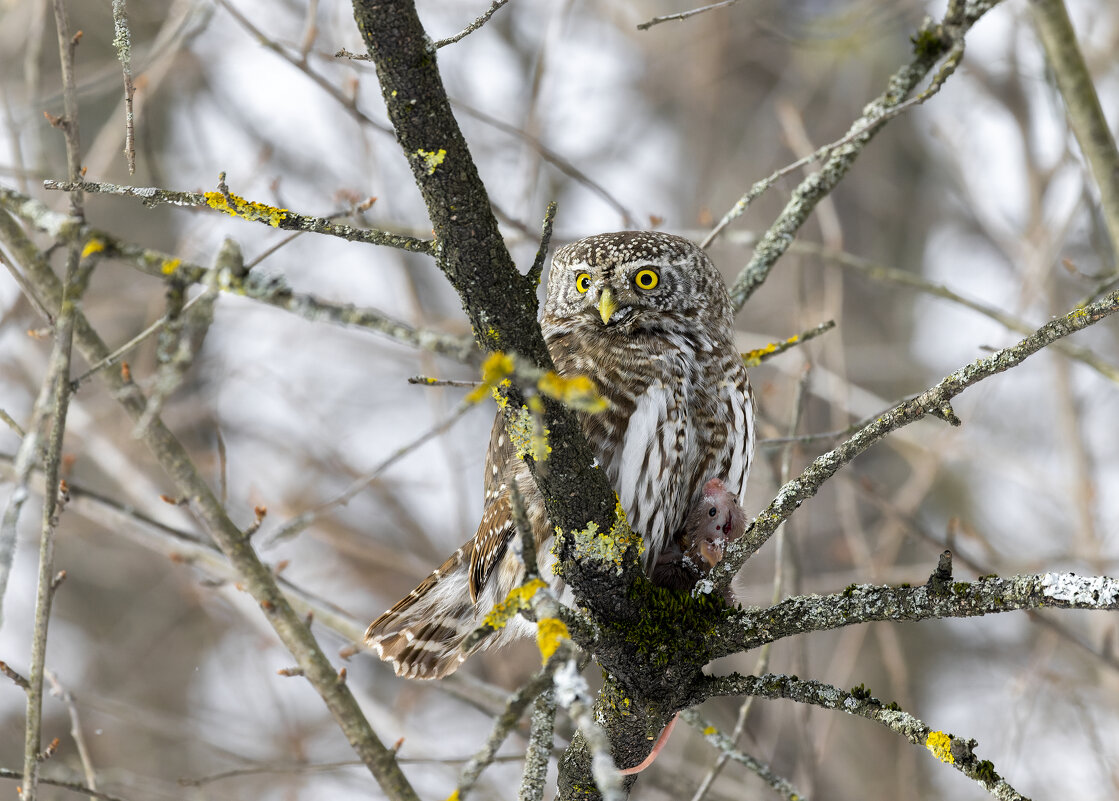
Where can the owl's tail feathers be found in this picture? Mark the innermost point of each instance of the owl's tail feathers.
(422, 634)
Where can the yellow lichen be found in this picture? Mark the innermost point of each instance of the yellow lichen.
(94, 245)
(577, 391)
(550, 632)
(525, 437)
(169, 266)
(432, 158)
(707, 732)
(237, 206)
(495, 369)
(518, 598)
(941, 746)
(609, 547)
(454, 795)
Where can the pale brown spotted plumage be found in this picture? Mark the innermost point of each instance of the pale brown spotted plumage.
(647, 316)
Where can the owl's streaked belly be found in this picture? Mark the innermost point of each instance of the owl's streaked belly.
(680, 414)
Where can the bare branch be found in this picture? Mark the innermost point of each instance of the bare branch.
(122, 41)
(473, 26)
(892, 275)
(1085, 115)
(164, 265)
(865, 603)
(755, 357)
(300, 63)
(301, 522)
(954, 751)
(20, 681)
(58, 379)
(76, 733)
(515, 707)
(539, 752)
(255, 576)
(935, 400)
(728, 750)
(237, 206)
(76, 787)
(932, 43)
(682, 15)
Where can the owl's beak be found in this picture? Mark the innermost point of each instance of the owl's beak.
(606, 305)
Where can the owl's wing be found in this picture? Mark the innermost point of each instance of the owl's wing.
(496, 528)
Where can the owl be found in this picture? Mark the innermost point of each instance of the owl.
(715, 521)
(646, 315)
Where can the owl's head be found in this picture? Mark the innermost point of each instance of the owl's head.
(633, 281)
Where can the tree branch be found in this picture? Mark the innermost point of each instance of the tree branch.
(935, 400)
(1085, 115)
(931, 43)
(224, 201)
(954, 751)
(865, 603)
(255, 576)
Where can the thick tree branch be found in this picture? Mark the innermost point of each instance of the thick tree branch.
(500, 302)
(864, 603)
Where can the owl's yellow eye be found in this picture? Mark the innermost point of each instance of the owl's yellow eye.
(646, 279)
(583, 282)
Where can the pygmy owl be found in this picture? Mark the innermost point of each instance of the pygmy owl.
(647, 316)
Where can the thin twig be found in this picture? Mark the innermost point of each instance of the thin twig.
(473, 26)
(545, 241)
(728, 750)
(552, 157)
(75, 729)
(301, 64)
(428, 381)
(26, 289)
(892, 275)
(115, 356)
(58, 377)
(538, 754)
(682, 15)
(301, 522)
(76, 787)
(122, 42)
(9, 421)
(755, 357)
(19, 680)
